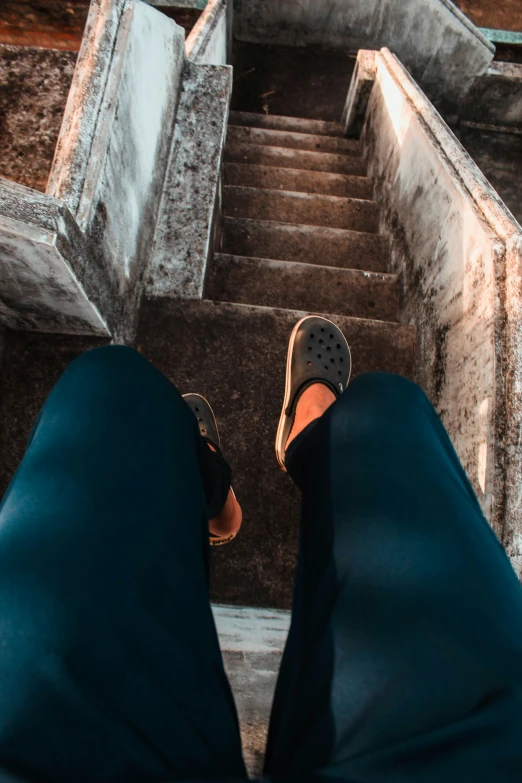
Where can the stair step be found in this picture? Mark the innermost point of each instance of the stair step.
(276, 178)
(296, 141)
(310, 244)
(235, 355)
(292, 124)
(298, 286)
(240, 152)
(301, 208)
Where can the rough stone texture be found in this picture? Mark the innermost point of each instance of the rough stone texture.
(239, 152)
(499, 156)
(309, 82)
(301, 208)
(496, 96)
(34, 85)
(292, 124)
(301, 286)
(297, 180)
(327, 246)
(31, 365)
(235, 355)
(291, 140)
(47, 281)
(184, 233)
(457, 249)
(252, 643)
(442, 49)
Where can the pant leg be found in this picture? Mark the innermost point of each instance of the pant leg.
(404, 659)
(110, 667)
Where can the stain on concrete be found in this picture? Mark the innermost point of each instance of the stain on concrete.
(34, 85)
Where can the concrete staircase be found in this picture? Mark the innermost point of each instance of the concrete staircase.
(299, 235)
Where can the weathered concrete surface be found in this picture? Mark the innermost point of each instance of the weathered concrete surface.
(301, 208)
(46, 280)
(438, 44)
(292, 124)
(299, 82)
(252, 643)
(184, 234)
(240, 365)
(276, 178)
(498, 154)
(328, 246)
(290, 140)
(300, 286)
(240, 152)
(496, 96)
(457, 249)
(81, 115)
(34, 85)
(210, 42)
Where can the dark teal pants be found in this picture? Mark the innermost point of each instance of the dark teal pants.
(404, 661)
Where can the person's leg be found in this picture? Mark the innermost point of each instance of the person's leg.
(110, 668)
(404, 659)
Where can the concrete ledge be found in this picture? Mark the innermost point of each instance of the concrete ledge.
(44, 277)
(496, 97)
(359, 93)
(458, 250)
(210, 41)
(191, 199)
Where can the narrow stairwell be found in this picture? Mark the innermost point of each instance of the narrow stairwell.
(299, 235)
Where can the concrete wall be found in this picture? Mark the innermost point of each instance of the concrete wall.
(114, 144)
(496, 97)
(437, 43)
(45, 280)
(457, 250)
(210, 42)
(190, 206)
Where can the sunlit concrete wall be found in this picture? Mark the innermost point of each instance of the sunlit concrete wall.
(457, 250)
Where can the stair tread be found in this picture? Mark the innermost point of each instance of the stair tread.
(267, 155)
(301, 208)
(297, 285)
(306, 181)
(292, 242)
(280, 122)
(294, 140)
(240, 365)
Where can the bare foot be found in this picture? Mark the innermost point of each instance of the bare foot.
(229, 520)
(313, 402)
